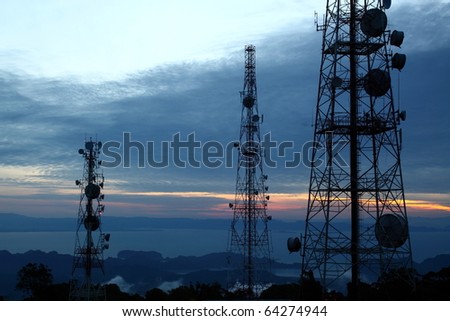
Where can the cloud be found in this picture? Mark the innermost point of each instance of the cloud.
(114, 39)
(45, 120)
(123, 285)
(170, 285)
(423, 23)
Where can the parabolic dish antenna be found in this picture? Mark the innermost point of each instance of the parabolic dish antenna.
(386, 4)
(397, 38)
(89, 145)
(248, 101)
(398, 61)
(336, 82)
(373, 23)
(377, 82)
(294, 244)
(391, 230)
(92, 191)
(91, 223)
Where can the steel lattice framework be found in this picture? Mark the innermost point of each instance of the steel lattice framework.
(88, 253)
(356, 218)
(249, 245)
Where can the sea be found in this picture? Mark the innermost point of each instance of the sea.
(169, 242)
(191, 242)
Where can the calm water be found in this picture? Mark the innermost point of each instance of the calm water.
(169, 242)
(188, 242)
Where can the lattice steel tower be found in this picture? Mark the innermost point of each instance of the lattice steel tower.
(356, 218)
(249, 244)
(89, 246)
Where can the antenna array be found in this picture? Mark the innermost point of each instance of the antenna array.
(88, 253)
(249, 246)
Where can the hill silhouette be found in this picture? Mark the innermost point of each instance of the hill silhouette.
(139, 271)
(133, 271)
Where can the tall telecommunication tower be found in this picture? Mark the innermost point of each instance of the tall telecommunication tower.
(356, 218)
(88, 254)
(249, 246)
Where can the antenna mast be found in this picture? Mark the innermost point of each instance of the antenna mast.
(356, 218)
(88, 255)
(249, 246)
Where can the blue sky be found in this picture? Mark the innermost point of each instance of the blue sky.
(71, 70)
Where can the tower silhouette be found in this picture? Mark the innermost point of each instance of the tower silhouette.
(249, 245)
(356, 220)
(88, 253)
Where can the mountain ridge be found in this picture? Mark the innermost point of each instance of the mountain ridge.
(140, 271)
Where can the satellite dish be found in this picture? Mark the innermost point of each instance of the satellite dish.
(92, 191)
(397, 38)
(402, 115)
(89, 145)
(81, 151)
(386, 4)
(255, 118)
(249, 149)
(398, 61)
(91, 223)
(248, 101)
(373, 22)
(294, 244)
(336, 82)
(377, 82)
(391, 230)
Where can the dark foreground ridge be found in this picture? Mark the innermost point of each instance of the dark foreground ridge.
(142, 272)
(135, 271)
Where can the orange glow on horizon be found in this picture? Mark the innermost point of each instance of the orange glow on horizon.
(20, 198)
(426, 205)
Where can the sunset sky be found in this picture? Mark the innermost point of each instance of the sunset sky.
(70, 70)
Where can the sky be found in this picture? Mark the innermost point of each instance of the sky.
(155, 70)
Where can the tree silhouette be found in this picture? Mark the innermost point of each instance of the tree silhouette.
(183, 293)
(34, 280)
(156, 295)
(435, 286)
(310, 289)
(113, 293)
(398, 284)
(282, 292)
(199, 292)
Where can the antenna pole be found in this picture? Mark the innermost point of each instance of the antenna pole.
(249, 249)
(354, 153)
(356, 174)
(88, 255)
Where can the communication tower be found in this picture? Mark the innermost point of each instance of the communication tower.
(249, 245)
(356, 220)
(90, 242)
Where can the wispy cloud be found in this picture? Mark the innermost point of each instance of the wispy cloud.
(45, 120)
